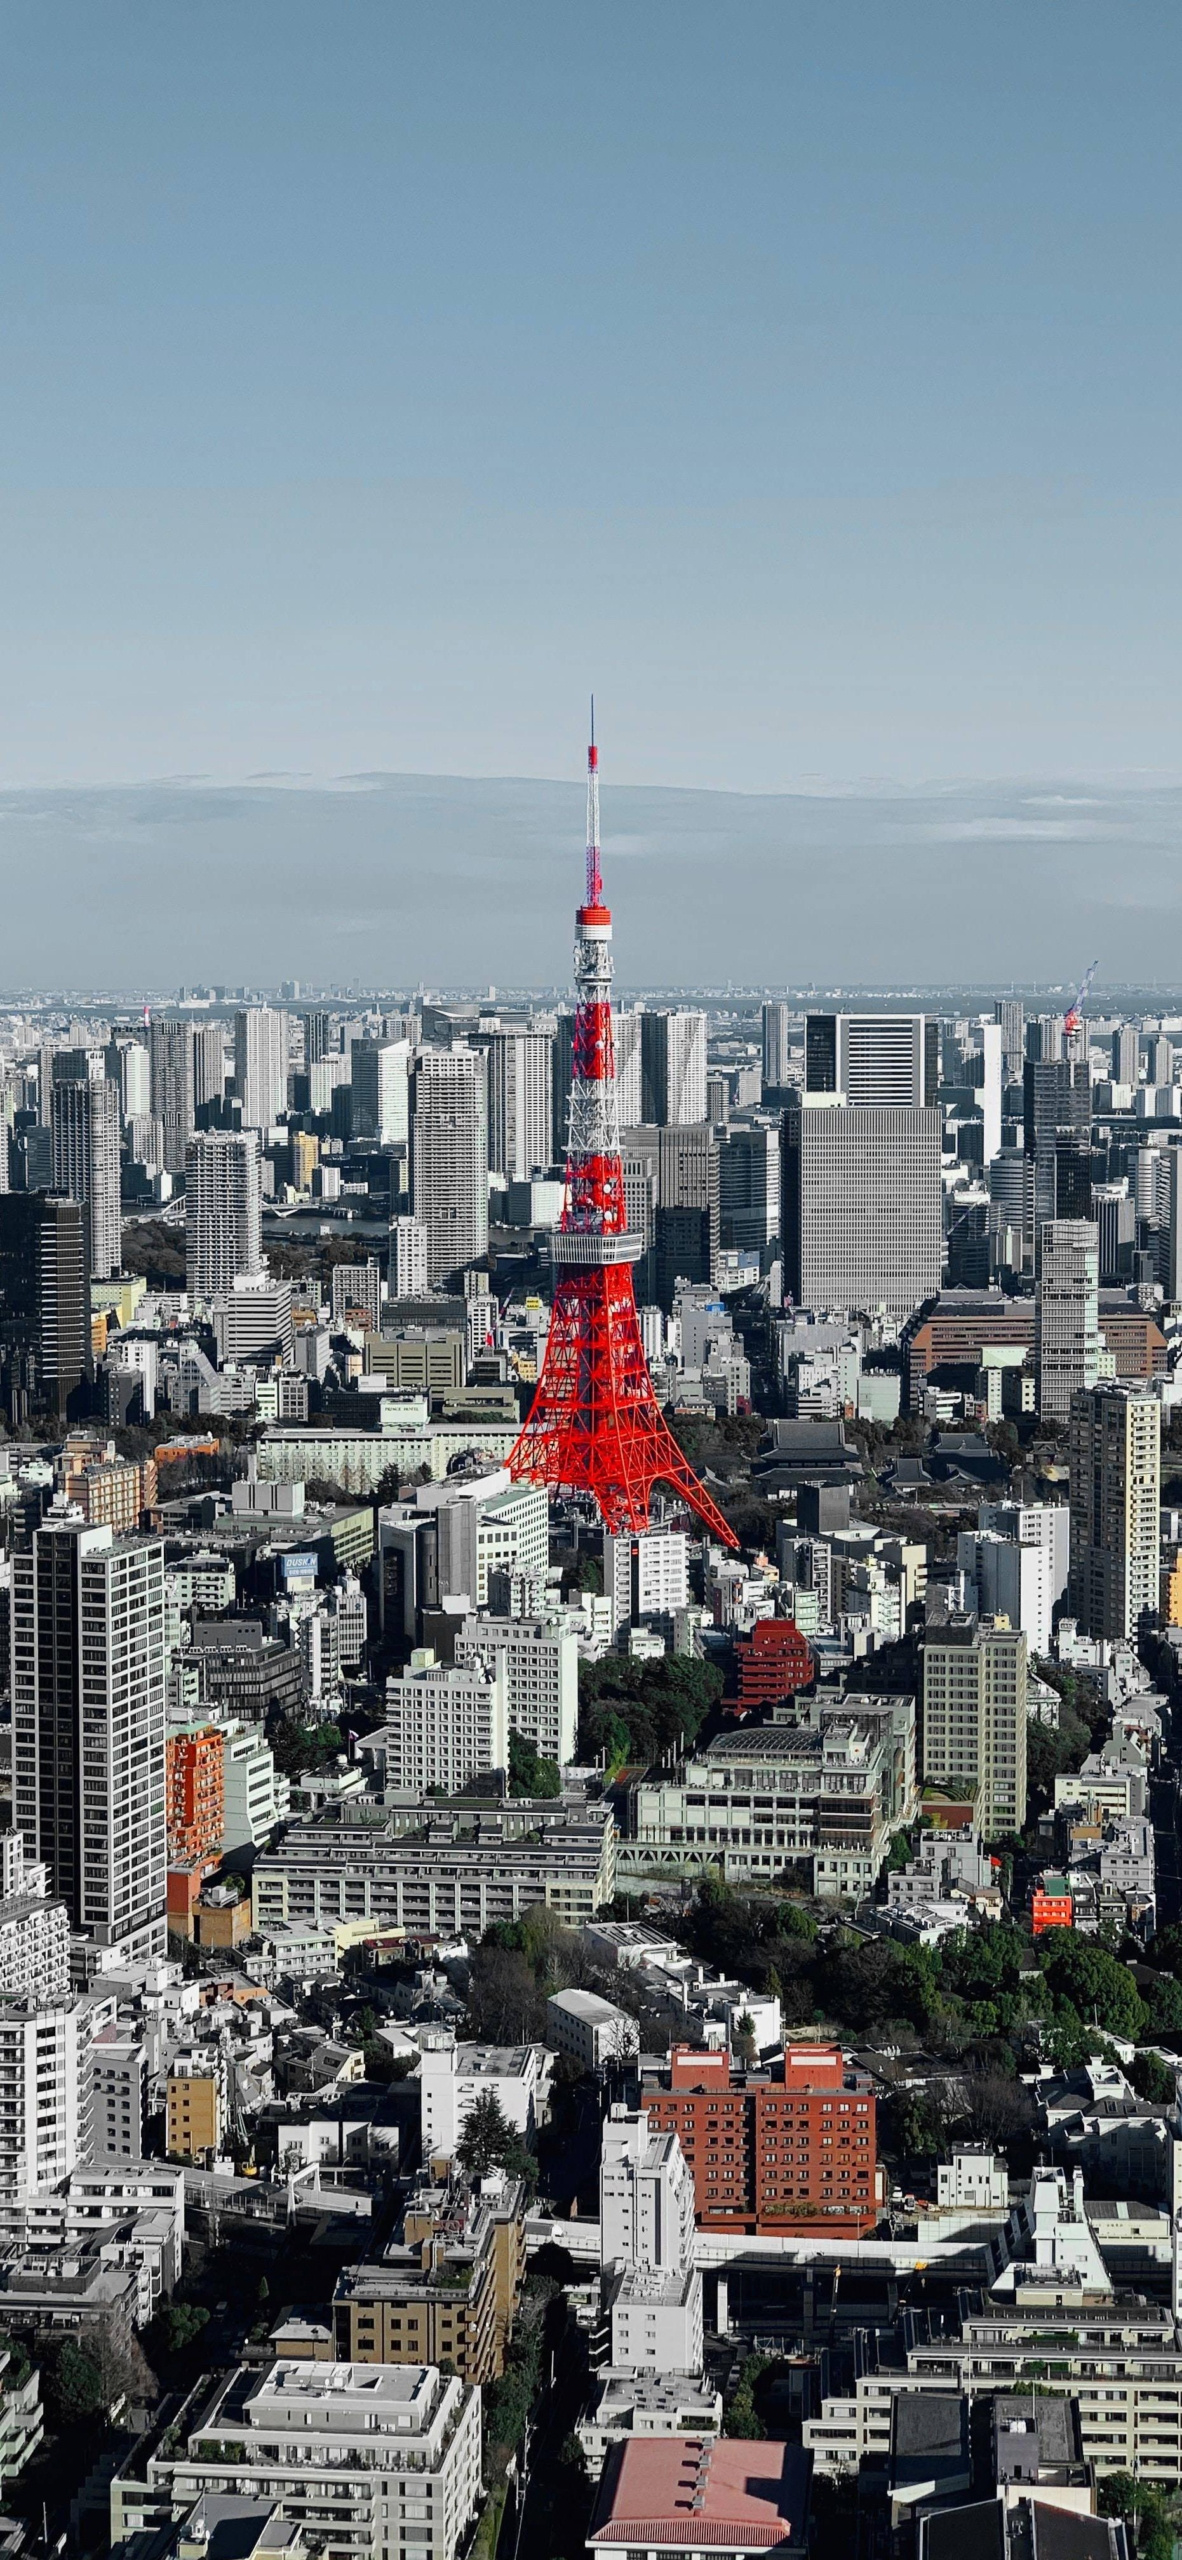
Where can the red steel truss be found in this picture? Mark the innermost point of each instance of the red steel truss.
(595, 1425)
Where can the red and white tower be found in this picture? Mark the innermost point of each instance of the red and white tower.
(595, 1425)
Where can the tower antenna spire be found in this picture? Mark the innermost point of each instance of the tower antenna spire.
(595, 1425)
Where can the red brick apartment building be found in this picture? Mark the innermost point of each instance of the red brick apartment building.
(772, 1663)
(794, 2154)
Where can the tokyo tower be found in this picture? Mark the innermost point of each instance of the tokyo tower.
(595, 1425)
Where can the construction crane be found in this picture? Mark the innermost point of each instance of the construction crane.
(1074, 1013)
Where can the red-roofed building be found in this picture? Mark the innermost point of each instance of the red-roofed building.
(695, 2493)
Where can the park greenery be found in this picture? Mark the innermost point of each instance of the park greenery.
(995, 1991)
(529, 1773)
(632, 1713)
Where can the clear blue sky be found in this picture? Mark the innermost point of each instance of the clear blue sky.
(375, 378)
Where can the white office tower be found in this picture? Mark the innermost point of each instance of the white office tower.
(84, 1135)
(541, 1665)
(520, 1102)
(380, 1076)
(775, 1045)
(1115, 1499)
(446, 1724)
(170, 1048)
(989, 1092)
(879, 1058)
(485, 1524)
(626, 1038)
(408, 1265)
(88, 1678)
(1017, 1560)
(863, 1205)
(223, 1210)
(252, 1319)
(260, 1065)
(1067, 1314)
(357, 1287)
(646, 2223)
(449, 1158)
(646, 1574)
(42, 2047)
(672, 1070)
(131, 1069)
(34, 1931)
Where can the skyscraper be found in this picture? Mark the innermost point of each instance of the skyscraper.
(318, 1037)
(1011, 1014)
(44, 1304)
(379, 1074)
(686, 1225)
(749, 1189)
(88, 1677)
(223, 1210)
(974, 1716)
(863, 1206)
(775, 1046)
(449, 1158)
(260, 1065)
(1057, 1135)
(84, 1133)
(877, 1058)
(520, 1102)
(209, 1064)
(1067, 1314)
(171, 1053)
(673, 1069)
(1126, 1054)
(1115, 1500)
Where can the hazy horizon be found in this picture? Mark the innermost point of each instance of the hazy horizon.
(395, 879)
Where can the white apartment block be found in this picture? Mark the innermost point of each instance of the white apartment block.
(34, 1931)
(446, 1724)
(646, 1574)
(260, 1065)
(408, 1273)
(223, 1210)
(590, 2031)
(541, 1666)
(1017, 1561)
(41, 2055)
(368, 2459)
(646, 2196)
(256, 1794)
(453, 2076)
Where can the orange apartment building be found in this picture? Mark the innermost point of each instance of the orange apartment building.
(110, 1491)
(195, 1794)
(794, 2154)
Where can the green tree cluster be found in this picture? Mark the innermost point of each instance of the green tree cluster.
(637, 1711)
(489, 2141)
(529, 1773)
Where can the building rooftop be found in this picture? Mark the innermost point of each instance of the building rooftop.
(693, 2493)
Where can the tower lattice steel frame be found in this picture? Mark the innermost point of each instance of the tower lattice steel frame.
(595, 1425)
